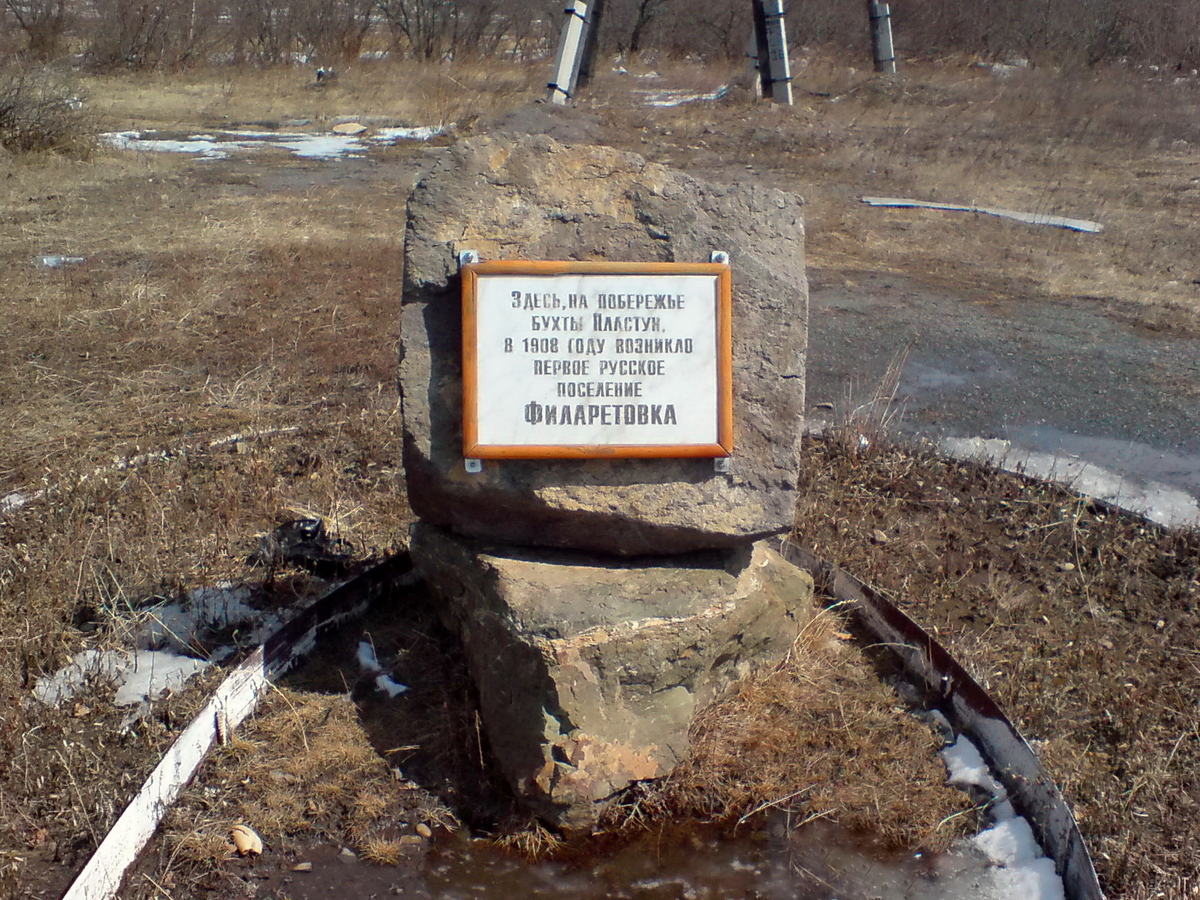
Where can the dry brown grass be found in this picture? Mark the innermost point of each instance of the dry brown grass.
(530, 840)
(400, 93)
(1081, 622)
(203, 311)
(301, 771)
(818, 737)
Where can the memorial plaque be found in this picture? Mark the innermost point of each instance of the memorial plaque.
(568, 359)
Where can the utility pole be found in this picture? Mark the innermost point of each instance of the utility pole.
(881, 37)
(587, 67)
(774, 67)
(572, 48)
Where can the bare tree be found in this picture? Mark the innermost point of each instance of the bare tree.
(332, 29)
(44, 23)
(453, 29)
(425, 27)
(152, 33)
(646, 12)
(262, 31)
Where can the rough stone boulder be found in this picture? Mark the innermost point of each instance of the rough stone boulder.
(533, 198)
(589, 671)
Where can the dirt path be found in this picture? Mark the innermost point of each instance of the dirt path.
(1050, 376)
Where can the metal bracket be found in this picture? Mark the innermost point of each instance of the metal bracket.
(472, 465)
(467, 257)
(719, 256)
(721, 464)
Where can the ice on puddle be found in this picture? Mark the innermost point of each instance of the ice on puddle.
(303, 145)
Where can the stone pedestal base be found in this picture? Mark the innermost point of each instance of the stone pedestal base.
(589, 669)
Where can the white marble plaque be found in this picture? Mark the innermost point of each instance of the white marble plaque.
(596, 363)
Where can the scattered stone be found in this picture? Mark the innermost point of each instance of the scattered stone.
(246, 840)
(879, 536)
(302, 867)
(350, 128)
(1065, 567)
(424, 830)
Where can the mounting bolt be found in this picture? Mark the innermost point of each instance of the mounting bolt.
(721, 464)
(473, 466)
(719, 256)
(467, 257)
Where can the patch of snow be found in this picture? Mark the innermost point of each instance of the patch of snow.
(678, 98)
(369, 663)
(1155, 501)
(139, 676)
(366, 658)
(1017, 867)
(57, 262)
(302, 144)
(322, 146)
(182, 623)
(413, 133)
(390, 687)
(152, 672)
(966, 767)
(206, 148)
(14, 501)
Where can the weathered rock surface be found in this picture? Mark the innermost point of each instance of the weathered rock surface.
(532, 198)
(589, 672)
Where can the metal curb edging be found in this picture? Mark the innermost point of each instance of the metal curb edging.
(946, 686)
(230, 704)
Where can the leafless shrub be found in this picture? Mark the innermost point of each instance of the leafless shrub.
(39, 112)
(44, 23)
(442, 29)
(152, 34)
(332, 29)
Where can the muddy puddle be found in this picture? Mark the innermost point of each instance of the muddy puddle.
(818, 861)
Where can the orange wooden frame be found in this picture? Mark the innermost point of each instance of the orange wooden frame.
(472, 449)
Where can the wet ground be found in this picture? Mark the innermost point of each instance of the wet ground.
(815, 862)
(1056, 378)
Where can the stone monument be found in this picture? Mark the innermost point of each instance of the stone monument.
(601, 598)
